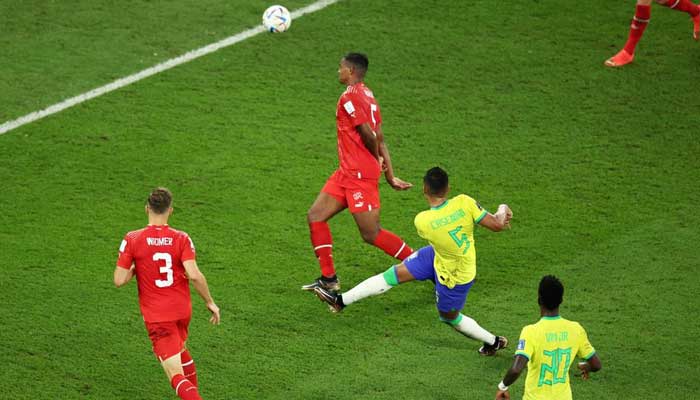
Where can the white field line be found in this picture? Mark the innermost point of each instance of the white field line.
(166, 65)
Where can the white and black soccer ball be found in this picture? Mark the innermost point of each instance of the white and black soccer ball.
(277, 19)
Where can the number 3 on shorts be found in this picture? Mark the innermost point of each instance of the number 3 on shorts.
(166, 269)
(461, 240)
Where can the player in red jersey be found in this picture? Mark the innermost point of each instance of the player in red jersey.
(363, 157)
(640, 22)
(163, 261)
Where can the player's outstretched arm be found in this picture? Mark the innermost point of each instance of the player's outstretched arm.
(512, 375)
(122, 276)
(387, 167)
(498, 221)
(200, 284)
(593, 364)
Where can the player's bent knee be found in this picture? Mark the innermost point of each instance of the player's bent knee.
(172, 366)
(369, 236)
(312, 215)
(391, 277)
(451, 321)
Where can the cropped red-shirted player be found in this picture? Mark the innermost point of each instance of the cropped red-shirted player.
(163, 261)
(363, 156)
(640, 21)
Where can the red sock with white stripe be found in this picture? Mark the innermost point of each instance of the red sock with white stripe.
(322, 241)
(686, 6)
(188, 367)
(639, 24)
(392, 245)
(184, 388)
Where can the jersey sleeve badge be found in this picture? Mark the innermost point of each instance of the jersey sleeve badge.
(349, 107)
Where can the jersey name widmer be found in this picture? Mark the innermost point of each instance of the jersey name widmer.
(163, 241)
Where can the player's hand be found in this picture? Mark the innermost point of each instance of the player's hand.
(584, 368)
(502, 395)
(215, 313)
(398, 184)
(507, 212)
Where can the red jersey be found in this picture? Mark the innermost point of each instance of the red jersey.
(158, 253)
(355, 107)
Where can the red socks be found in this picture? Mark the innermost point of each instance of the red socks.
(392, 245)
(639, 23)
(188, 367)
(322, 241)
(323, 246)
(184, 388)
(683, 5)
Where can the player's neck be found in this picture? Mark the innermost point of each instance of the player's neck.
(156, 220)
(354, 81)
(549, 313)
(436, 201)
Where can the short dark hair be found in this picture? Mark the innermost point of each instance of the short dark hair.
(436, 180)
(159, 200)
(551, 292)
(359, 61)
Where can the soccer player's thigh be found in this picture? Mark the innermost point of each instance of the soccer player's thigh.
(362, 197)
(167, 344)
(450, 301)
(330, 201)
(173, 364)
(418, 266)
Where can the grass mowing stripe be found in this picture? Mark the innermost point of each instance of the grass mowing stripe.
(164, 66)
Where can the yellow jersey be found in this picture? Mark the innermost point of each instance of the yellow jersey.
(551, 345)
(449, 228)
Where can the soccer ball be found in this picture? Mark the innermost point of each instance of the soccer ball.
(276, 19)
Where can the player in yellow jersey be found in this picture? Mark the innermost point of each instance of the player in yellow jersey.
(449, 261)
(548, 348)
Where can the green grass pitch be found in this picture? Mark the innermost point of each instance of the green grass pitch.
(600, 166)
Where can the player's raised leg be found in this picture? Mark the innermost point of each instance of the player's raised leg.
(471, 329)
(688, 7)
(450, 302)
(691, 9)
(188, 367)
(639, 23)
(324, 208)
(184, 388)
(372, 233)
(372, 286)
(168, 340)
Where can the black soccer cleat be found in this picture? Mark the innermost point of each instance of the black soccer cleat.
(333, 299)
(323, 282)
(491, 349)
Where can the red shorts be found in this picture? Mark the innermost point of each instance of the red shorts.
(168, 337)
(358, 195)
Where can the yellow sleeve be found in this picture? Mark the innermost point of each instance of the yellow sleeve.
(474, 208)
(526, 343)
(585, 348)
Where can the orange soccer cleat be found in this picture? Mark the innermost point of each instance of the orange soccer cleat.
(619, 59)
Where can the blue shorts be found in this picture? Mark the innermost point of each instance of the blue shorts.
(421, 265)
